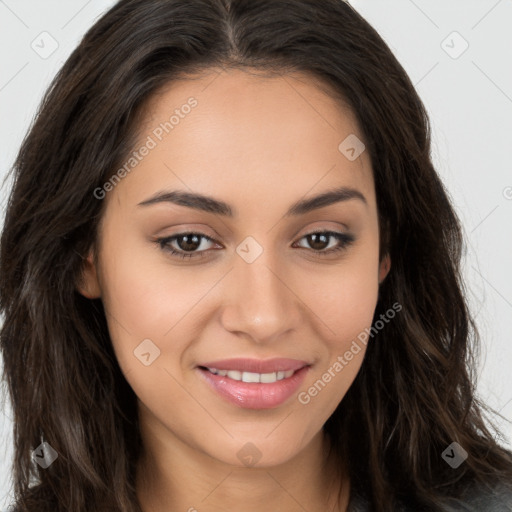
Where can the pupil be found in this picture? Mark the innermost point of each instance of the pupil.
(313, 241)
(191, 242)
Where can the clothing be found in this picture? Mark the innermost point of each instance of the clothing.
(478, 500)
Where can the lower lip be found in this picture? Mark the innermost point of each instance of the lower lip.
(255, 395)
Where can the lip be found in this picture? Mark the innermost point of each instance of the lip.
(257, 365)
(254, 395)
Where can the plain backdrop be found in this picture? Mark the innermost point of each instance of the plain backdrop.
(458, 54)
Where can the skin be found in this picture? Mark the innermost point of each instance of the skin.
(259, 144)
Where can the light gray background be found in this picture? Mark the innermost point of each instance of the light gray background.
(469, 100)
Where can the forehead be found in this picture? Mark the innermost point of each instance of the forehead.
(234, 131)
(255, 101)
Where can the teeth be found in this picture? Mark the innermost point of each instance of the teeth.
(266, 378)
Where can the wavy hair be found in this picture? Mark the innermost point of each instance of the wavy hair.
(415, 392)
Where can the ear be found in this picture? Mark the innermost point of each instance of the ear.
(384, 267)
(88, 284)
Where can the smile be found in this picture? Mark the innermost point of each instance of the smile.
(251, 390)
(264, 378)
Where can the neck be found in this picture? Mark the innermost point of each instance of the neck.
(173, 476)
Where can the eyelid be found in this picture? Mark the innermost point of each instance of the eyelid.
(320, 226)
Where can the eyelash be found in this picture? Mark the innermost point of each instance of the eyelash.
(345, 241)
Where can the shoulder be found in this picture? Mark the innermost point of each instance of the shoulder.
(497, 499)
(476, 498)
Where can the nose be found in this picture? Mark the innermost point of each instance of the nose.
(259, 301)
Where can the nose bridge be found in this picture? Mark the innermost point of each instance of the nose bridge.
(259, 303)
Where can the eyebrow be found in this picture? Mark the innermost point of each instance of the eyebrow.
(212, 205)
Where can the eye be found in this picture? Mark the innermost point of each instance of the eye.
(188, 244)
(195, 245)
(333, 241)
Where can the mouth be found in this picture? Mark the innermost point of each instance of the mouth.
(253, 389)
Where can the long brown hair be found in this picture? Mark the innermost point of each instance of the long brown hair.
(415, 393)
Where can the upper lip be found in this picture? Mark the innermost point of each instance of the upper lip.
(257, 365)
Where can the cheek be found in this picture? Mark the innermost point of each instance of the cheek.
(345, 302)
(143, 298)
(144, 304)
(344, 297)
(346, 309)
(151, 321)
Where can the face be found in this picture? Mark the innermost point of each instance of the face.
(259, 271)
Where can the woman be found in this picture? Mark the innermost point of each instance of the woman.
(230, 276)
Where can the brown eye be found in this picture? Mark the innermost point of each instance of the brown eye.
(318, 241)
(188, 242)
(186, 245)
(331, 240)
(192, 245)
